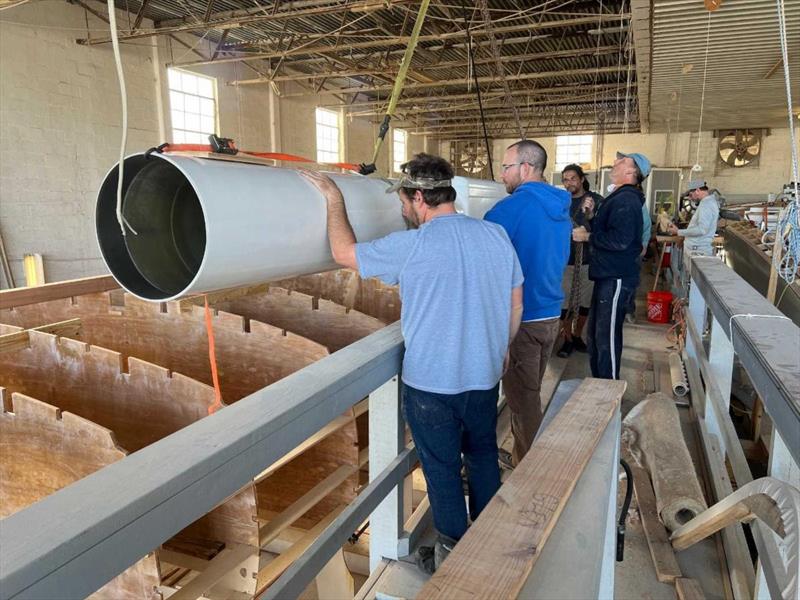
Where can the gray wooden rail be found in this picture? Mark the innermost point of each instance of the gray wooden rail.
(743, 325)
(74, 541)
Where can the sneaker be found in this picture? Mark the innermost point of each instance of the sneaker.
(425, 560)
(630, 318)
(505, 459)
(566, 349)
(579, 345)
(430, 558)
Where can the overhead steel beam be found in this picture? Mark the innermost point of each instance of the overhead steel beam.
(429, 100)
(571, 99)
(642, 22)
(258, 10)
(395, 41)
(455, 64)
(463, 82)
(363, 6)
(140, 14)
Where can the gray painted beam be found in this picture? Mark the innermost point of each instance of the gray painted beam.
(765, 340)
(302, 571)
(74, 541)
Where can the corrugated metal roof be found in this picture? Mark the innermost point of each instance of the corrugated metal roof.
(744, 87)
(566, 53)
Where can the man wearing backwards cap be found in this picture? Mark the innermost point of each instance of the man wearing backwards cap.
(616, 242)
(461, 292)
(703, 225)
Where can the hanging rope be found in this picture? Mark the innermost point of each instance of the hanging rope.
(471, 65)
(703, 95)
(789, 223)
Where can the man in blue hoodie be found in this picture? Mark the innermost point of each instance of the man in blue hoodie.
(616, 243)
(536, 217)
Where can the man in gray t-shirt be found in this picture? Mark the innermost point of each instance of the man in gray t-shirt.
(460, 287)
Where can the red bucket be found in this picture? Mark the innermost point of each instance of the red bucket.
(659, 307)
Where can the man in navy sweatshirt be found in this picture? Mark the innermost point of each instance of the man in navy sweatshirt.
(536, 218)
(616, 243)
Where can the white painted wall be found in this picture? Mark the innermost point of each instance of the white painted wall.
(60, 132)
(680, 150)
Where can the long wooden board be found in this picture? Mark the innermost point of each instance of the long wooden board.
(664, 561)
(688, 589)
(54, 291)
(496, 556)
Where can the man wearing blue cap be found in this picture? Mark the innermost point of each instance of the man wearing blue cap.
(699, 235)
(616, 242)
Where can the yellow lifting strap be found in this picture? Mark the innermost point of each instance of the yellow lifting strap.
(398, 86)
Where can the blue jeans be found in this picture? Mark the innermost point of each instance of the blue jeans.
(606, 317)
(443, 427)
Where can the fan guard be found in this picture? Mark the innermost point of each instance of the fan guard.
(740, 147)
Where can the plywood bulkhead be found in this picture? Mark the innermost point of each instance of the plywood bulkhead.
(42, 450)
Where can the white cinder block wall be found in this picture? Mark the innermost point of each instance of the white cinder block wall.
(60, 132)
(680, 150)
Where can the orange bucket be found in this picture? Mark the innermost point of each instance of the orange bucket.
(659, 306)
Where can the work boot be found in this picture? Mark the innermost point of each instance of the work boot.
(566, 349)
(430, 558)
(579, 344)
(444, 546)
(505, 459)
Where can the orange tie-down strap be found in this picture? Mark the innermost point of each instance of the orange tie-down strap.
(212, 358)
(267, 155)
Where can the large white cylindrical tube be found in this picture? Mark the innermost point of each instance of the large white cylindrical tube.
(205, 224)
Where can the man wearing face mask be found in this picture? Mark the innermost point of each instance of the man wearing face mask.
(616, 243)
(582, 207)
(536, 217)
(460, 287)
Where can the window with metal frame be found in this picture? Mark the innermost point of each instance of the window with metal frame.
(327, 136)
(193, 106)
(399, 148)
(575, 149)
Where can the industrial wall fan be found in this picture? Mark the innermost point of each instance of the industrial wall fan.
(740, 147)
(471, 157)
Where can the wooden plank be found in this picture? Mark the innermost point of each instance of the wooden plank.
(269, 574)
(34, 269)
(372, 580)
(663, 381)
(320, 435)
(497, 554)
(334, 580)
(216, 569)
(222, 295)
(19, 340)
(54, 291)
(298, 508)
(688, 589)
(664, 561)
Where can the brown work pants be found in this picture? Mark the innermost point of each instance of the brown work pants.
(522, 383)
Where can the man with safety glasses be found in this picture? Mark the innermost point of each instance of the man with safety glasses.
(461, 292)
(536, 217)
